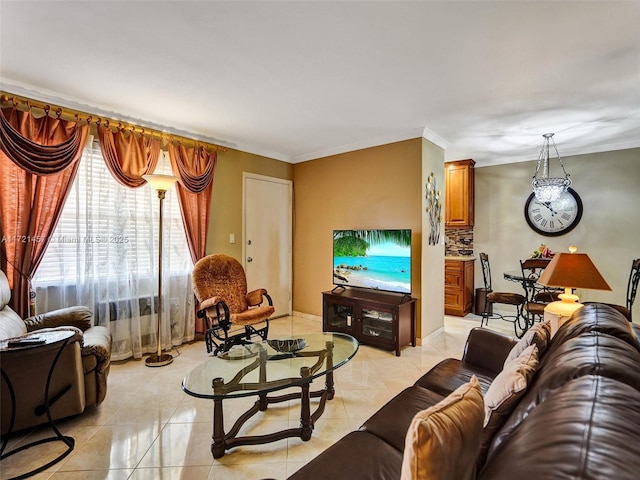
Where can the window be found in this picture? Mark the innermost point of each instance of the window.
(103, 254)
(108, 230)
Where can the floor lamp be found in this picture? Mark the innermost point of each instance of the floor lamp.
(161, 183)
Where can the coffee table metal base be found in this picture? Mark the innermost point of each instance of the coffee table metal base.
(224, 441)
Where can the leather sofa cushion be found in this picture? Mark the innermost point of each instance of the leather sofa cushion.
(11, 325)
(596, 318)
(592, 353)
(505, 392)
(391, 422)
(358, 455)
(588, 428)
(450, 373)
(443, 441)
(487, 349)
(5, 291)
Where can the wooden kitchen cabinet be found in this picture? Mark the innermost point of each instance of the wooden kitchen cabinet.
(374, 318)
(459, 188)
(458, 287)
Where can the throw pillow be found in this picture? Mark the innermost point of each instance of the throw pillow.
(504, 393)
(538, 335)
(443, 441)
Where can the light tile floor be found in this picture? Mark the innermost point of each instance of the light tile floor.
(147, 428)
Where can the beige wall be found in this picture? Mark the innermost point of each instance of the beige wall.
(432, 317)
(226, 204)
(609, 186)
(377, 187)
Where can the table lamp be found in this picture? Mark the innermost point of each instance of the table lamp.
(569, 271)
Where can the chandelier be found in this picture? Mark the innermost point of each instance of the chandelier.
(548, 189)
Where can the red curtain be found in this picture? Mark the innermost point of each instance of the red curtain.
(195, 168)
(128, 157)
(39, 159)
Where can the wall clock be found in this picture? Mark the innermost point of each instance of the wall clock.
(554, 218)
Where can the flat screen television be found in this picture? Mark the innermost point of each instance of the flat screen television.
(377, 259)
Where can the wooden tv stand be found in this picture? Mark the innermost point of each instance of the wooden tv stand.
(379, 319)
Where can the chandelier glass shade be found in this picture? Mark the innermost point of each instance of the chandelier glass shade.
(548, 189)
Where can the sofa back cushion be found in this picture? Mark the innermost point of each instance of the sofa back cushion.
(5, 291)
(592, 350)
(505, 392)
(11, 325)
(443, 441)
(596, 317)
(586, 428)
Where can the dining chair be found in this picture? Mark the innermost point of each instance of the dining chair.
(517, 300)
(538, 296)
(632, 289)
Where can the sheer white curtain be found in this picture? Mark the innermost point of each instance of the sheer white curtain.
(104, 255)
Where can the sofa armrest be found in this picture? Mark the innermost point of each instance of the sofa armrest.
(79, 317)
(96, 361)
(97, 341)
(487, 349)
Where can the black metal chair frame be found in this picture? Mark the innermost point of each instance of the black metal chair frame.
(632, 290)
(519, 320)
(632, 286)
(220, 336)
(536, 294)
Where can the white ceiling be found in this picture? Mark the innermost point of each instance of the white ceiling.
(301, 80)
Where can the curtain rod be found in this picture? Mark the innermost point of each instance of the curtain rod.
(24, 103)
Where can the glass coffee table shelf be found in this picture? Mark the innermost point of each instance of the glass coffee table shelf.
(259, 370)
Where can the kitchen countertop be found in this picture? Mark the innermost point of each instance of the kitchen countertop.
(460, 258)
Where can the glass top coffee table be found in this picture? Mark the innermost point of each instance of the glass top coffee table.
(266, 367)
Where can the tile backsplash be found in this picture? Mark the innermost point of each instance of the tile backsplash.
(458, 241)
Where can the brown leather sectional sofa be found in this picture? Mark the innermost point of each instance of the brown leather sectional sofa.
(579, 417)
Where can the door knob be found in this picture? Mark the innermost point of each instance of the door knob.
(249, 259)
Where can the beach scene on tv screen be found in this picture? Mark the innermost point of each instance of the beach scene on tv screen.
(375, 259)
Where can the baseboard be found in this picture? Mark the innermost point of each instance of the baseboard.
(307, 316)
(432, 336)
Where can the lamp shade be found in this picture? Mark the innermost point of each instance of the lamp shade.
(573, 270)
(160, 182)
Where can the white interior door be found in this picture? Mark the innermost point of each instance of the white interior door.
(267, 238)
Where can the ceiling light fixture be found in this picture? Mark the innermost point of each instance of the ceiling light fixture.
(548, 189)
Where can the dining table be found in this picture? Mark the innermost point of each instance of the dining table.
(531, 287)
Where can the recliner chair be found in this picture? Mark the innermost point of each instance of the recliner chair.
(79, 379)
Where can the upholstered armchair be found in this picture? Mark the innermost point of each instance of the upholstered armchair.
(79, 379)
(233, 315)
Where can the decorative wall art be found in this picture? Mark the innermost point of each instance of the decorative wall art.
(434, 208)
